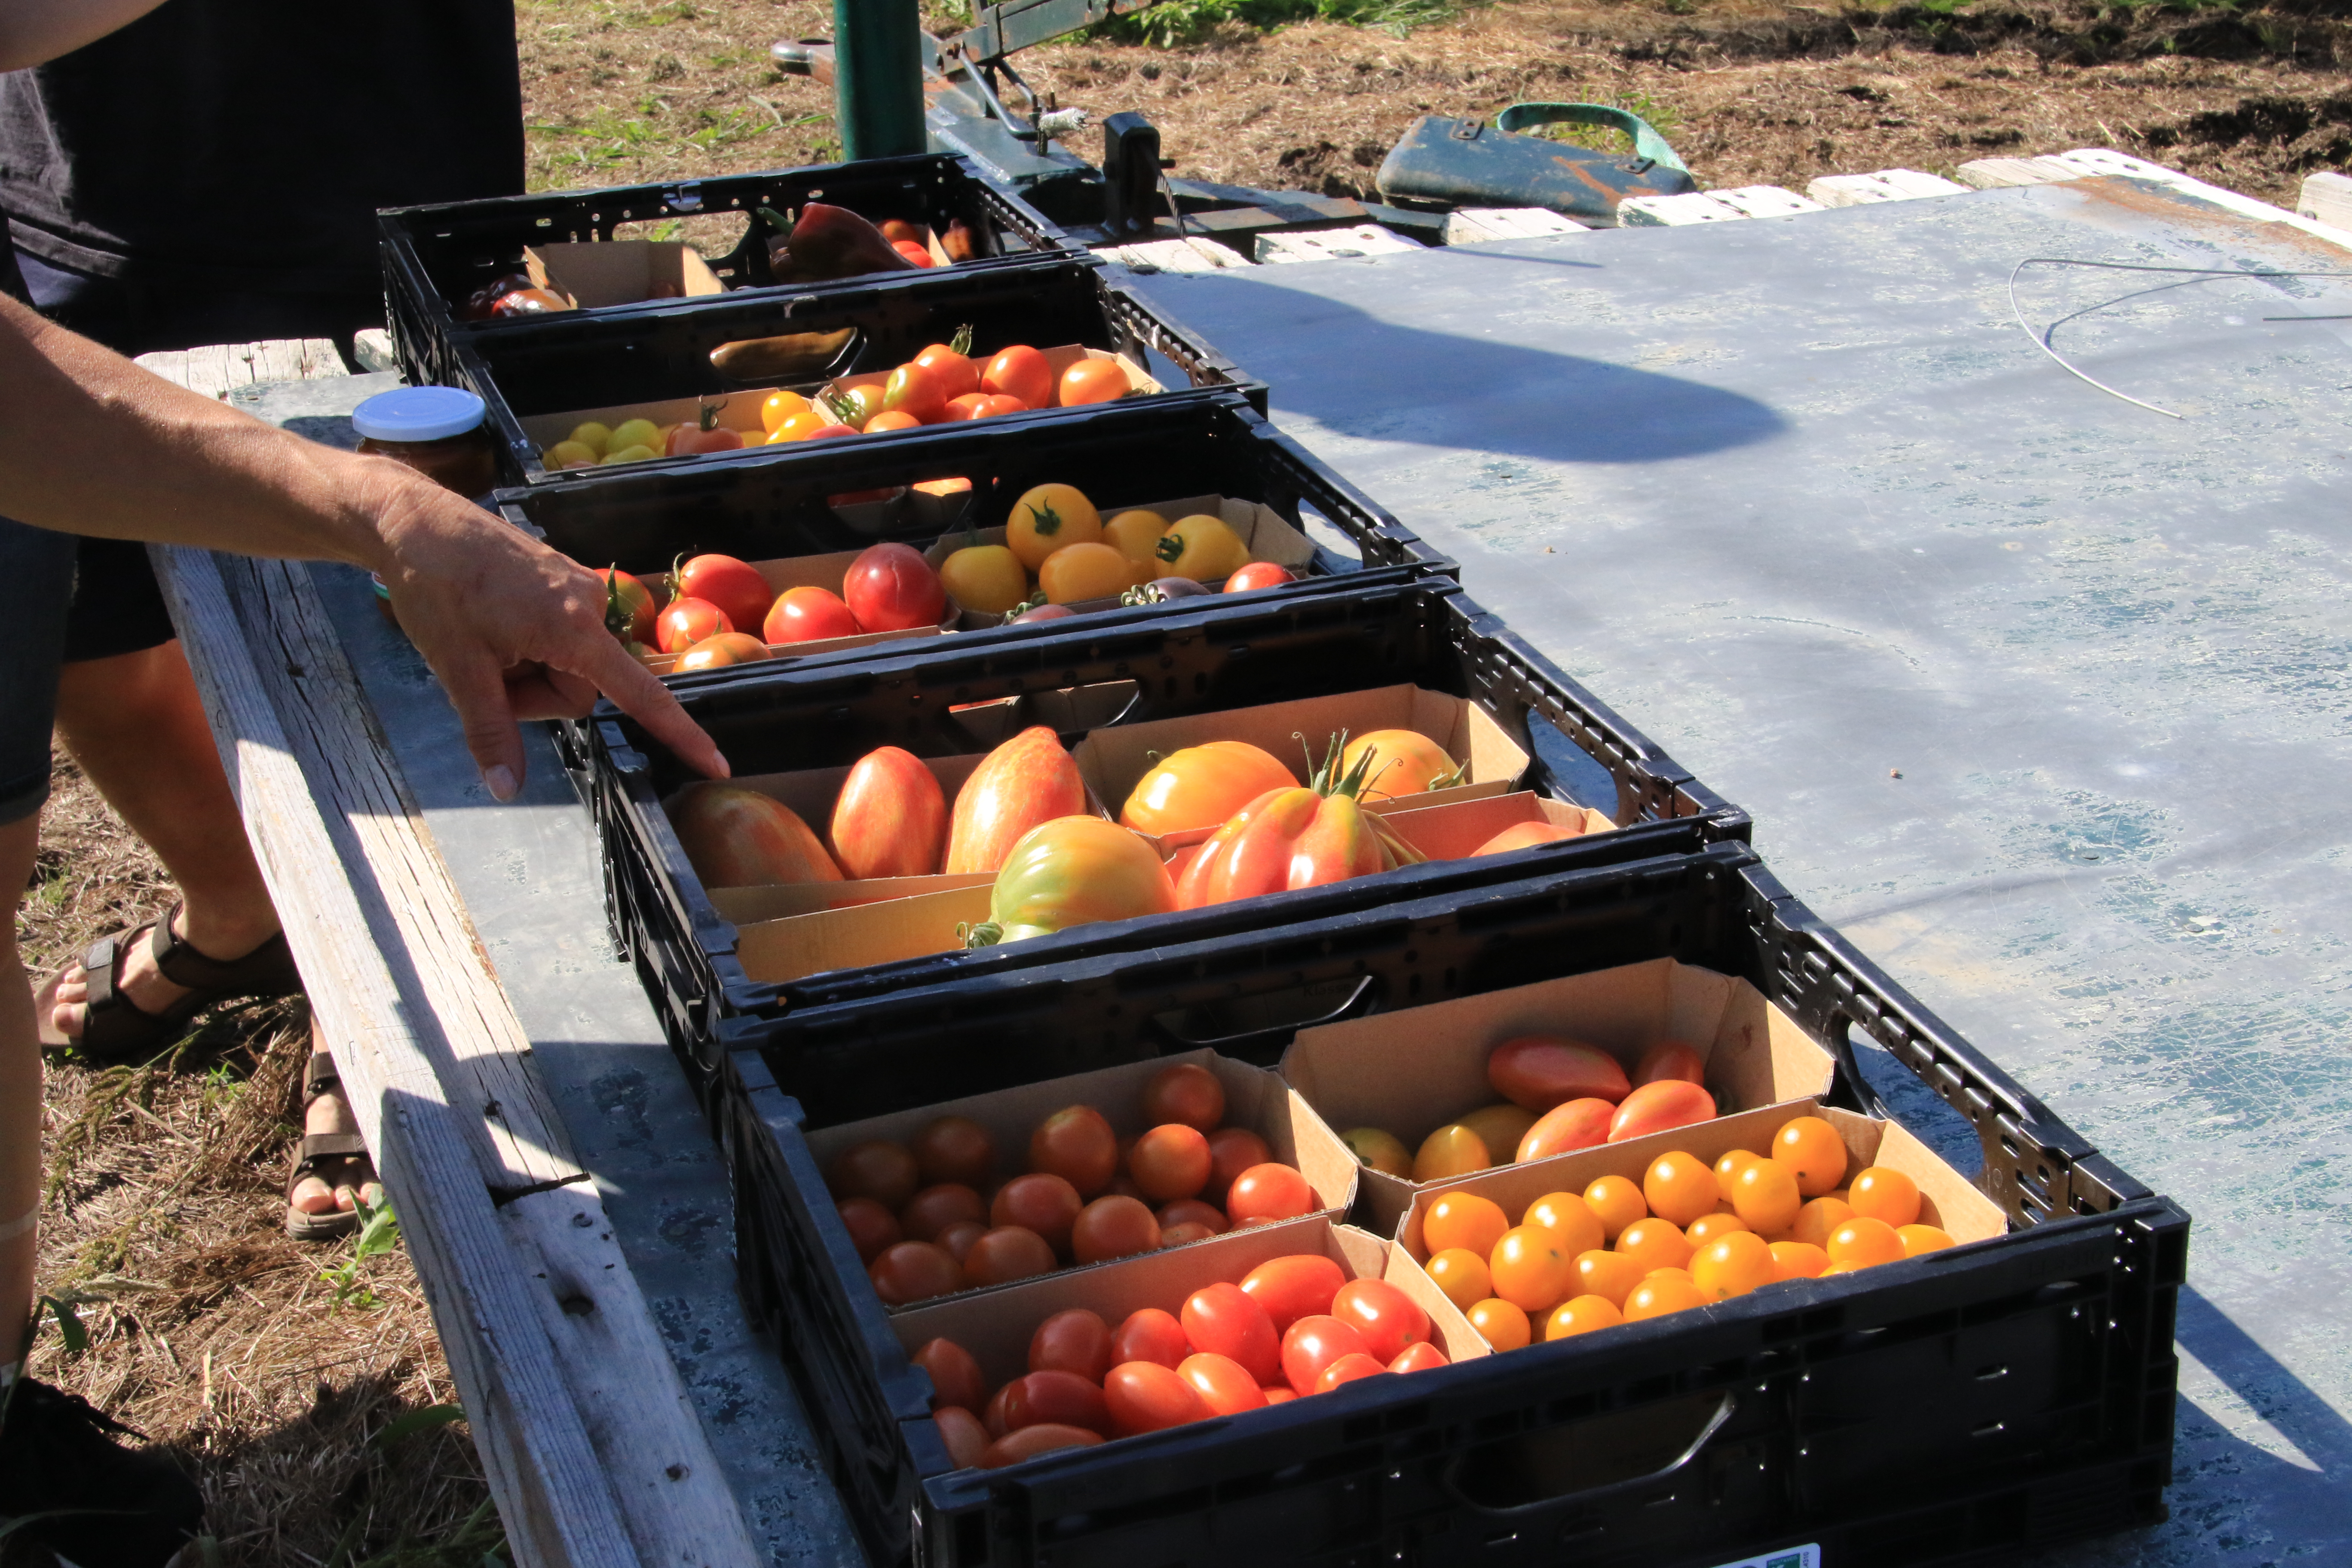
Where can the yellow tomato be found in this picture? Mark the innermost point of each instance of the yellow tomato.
(629, 455)
(1452, 1151)
(1203, 548)
(1083, 571)
(1049, 518)
(1379, 1150)
(1404, 761)
(1136, 536)
(596, 437)
(1500, 1128)
(798, 426)
(779, 408)
(634, 433)
(571, 454)
(984, 577)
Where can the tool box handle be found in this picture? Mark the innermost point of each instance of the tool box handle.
(1647, 142)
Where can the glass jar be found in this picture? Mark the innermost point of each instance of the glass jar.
(435, 430)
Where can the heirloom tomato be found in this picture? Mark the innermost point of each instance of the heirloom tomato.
(1028, 780)
(1019, 371)
(1070, 871)
(949, 362)
(735, 586)
(705, 434)
(1087, 570)
(1048, 517)
(738, 838)
(891, 588)
(1202, 786)
(685, 622)
(890, 818)
(629, 612)
(779, 406)
(1136, 536)
(808, 615)
(1403, 762)
(1203, 548)
(1297, 837)
(718, 652)
(912, 389)
(985, 577)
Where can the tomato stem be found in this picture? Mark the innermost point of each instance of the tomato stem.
(987, 934)
(961, 342)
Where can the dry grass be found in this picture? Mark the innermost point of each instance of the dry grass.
(221, 1341)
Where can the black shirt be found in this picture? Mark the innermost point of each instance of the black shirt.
(11, 282)
(248, 143)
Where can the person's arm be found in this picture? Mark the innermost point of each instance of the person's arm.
(98, 446)
(34, 31)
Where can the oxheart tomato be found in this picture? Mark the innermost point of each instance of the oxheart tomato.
(1019, 371)
(1296, 837)
(890, 818)
(1289, 1289)
(1070, 871)
(685, 622)
(1202, 786)
(891, 588)
(738, 838)
(629, 610)
(1219, 1320)
(738, 591)
(1028, 780)
(1540, 1071)
(1401, 763)
(808, 615)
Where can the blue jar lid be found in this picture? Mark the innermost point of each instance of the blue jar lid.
(418, 413)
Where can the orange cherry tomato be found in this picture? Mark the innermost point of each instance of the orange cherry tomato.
(1223, 1384)
(800, 426)
(1581, 1315)
(1727, 1168)
(955, 1376)
(1797, 1260)
(1611, 1276)
(1289, 1289)
(1040, 1201)
(1387, 1318)
(1076, 1144)
(935, 1208)
(1113, 1226)
(1816, 1219)
(873, 1230)
(1091, 381)
(878, 1169)
(1462, 1275)
(1660, 1294)
(1680, 1187)
(1708, 1227)
(1864, 1243)
(1500, 1324)
(1465, 1220)
(916, 1271)
(1031, 1441)
(1007, 1253)
(1814, 1152)
(1881, 1193)
(1072, 1341)
(779, 406)
(808, 615)
(1220, 1320)
(1170, 1162)
(1055, 1397)
(1531, 1268)
(1268, 1192)
(1732, 1265)
(1232, 1151)
(1658, 1243)
(1019, 371)
(1764, 1194)
(1144, 1397)
(1313, 1343)
(1419, 1356)
(1570, 1217)
(1617, 1202)
(1187, 1092)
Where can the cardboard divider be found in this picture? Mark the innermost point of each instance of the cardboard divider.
(1268, 535)
(1255, 1098)
(1408, 1073)
(995, 1326)
(829, 572)
(1456, 830)
(594, 273)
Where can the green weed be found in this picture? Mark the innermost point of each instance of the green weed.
(379, 1234)
(1175, 23)
(1661, 116)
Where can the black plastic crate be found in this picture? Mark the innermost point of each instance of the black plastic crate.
(583, 359)
(1134, 665)
(1962, 1407)
(433, 256)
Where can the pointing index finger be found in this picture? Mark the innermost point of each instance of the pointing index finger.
(639, 693)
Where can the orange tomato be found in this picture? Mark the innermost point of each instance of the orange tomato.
(1797, 1260)
(1887, 1195)
(1462, 1275)
(1923, 1238)
(779, 406)
(1816, 1219)
(1136, 536)
(1660, 1294)
(892, 419)
(1764, 1194)
(1680, 1187)
(1170, 1162)
(1618, 1202)
(1732, 1265)
(1814, 1152)
(1609, 1275)
(1087, 570)
(797, 426)
(1091, 381)
(1201, 786)
(1047, 517)
(1019, 371)
(1570, 1219)
(1532, 1268)
(915, 390)
(1657, 1242)
(1708, 1227)
(1727, 1168)
(1407, 762)
(1465, 1220)
(1581, 1315)
(1864, 1243)
(1500, 1324)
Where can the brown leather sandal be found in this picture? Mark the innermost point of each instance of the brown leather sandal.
(318, 1148)
(115, 1030)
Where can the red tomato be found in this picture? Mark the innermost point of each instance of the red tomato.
(1031, 1441)
(1002, 403)
(1076, 1144)
(1187, 1093)
(741, 595)
(1313, 1343)
(914, 254)
(955, 373)
(1184, 1234)
(705, 434)
(1232, 1151)
(1041, 1202)
(808, 615)
(1258, 575)
(966, 1438)
(1144, 1397)
(971, 406)
(1348, 1369)
(1387, 1318)
(1019, 371)
(689, 621)
(915, 1271)
(952, 1148)
(1113, 1227)
(877, 1169)
(955, 1376)
(1028, 780)
(958, 1239)
(891, 588)
(1009, 1252)
(1192, 1211)
(1222, 1322)
(1279, 1395)
(1061, 1398)
(1669, 1059)
(1302, 837)
(1150, 1334)
(935, 1208)
(1223, 1384)
(890, 819)
(873, 1230)
(1170, 1162)
(992, 1419)
(1075, 1341)
(1539, 1071)
(629, 610)
(1268, 1192)
(1091, 381)
(1289, 1289)
(1419, 1356)
(912, 389)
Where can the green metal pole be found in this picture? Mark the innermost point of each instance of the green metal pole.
(879, 77)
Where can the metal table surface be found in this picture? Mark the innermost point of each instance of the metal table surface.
(2040, 697)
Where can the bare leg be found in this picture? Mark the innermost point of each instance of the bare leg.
(137, 727)
(20, 1095)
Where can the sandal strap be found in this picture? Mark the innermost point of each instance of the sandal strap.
(116, 1029)
(267, 971)
(320, 1076)
(329, 1146)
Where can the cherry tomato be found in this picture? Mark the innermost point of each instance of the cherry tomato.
(1571, 1218)
(1150, 1334)
(891, 588)
(1500, 1324)
(1187, 1093)
(1464, 1220)
(954, 1148)
(1268, 1192)
(1144, 1397)
(992, 1419)
(1814, 1152)
(1232, 1151)
(1077, 1145)
(1258, 575)
(1009, 1252)
(741, 595)
(1113, 1227)
(779, 406)
(873, 1230)
(1289, 1289)
(1347, 1369)
(808, 615)
(1313, 1343)
(1611, 1276)
(957, 1238)
(1581, 1315)
(1533, 1270)
(1219, 1318)
(966, 1438)
(1732, 1265)
(1462, 1275)
(1387, 1318)
(1031, 1441)
(1019, 371)
(1091, 381)
(1865, 1242)
(1654, 1243)
(1073, 1340)
(1798, 1260)
(877, 1169)
(915, 1271)
(1192, 1230)
(935, 1208)
(1040, 1201)
(913, 389)
(914, 254)
(1170, 1162)
(1680, 1187)
(1617, 1202)
(1281, 1393)
(1192, 1211)
(685, 622)
(1061, 1398)
(1764, 1194)
(955, 1376)
(1223, 1384)
(1880, 1192)
(955, 373)
(1419, 1356)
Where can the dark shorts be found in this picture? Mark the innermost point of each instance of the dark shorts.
(38, 567)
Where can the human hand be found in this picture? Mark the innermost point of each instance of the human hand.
(513, 629)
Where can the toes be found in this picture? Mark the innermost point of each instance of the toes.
(312, 1195)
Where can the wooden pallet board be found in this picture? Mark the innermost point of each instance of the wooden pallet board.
(1189, 254)
(1350, 243)
(1483, 226)
(1880, 186)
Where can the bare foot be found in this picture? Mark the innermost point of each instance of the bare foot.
(331, 1188)
(63, 1009)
